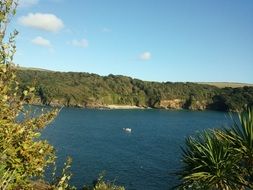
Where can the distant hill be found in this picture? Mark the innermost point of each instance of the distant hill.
(32, 69)
(94, 91)
(226, 84)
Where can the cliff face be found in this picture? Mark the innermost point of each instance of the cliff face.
(183, 104)
(198, 105)
(172, 104)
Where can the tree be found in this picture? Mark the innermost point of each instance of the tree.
(23, 155)
(220, 159)
(240, 138)
(209, 162)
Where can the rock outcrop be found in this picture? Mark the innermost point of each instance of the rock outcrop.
(172, 104)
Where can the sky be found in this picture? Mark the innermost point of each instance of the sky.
(153, 40)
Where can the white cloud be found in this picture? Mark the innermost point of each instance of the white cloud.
(27, 3)
(40, 41)
(42, 21)
(145, 56)
(80, 43)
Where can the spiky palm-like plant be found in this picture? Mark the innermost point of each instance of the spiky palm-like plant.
(220, 159)
(210, 164)
(240, 138)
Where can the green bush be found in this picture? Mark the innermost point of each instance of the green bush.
(220, 159)
(23, 155)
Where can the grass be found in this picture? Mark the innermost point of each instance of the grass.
(226, 84)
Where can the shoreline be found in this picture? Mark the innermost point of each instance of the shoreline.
(108, 107)
(115, 106)
(123, 107)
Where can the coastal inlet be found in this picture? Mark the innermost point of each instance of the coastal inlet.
(146, 158)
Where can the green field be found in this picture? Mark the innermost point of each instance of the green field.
(226, 84)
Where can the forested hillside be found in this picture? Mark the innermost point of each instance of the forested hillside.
(91, 90)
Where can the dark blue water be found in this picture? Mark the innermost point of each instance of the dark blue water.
(144, 159)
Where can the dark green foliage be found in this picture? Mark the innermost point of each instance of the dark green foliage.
(102, 184)
(208, 160)
(24, 156)
(221, 159)
(240, 138)
(236, 97)
(91, 90)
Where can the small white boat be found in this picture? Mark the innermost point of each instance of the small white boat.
(129, 130)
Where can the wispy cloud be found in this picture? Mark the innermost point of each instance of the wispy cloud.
(106, 29)
(83, 43)
(57, 1)
(27, 3)
(40, 41)
(145, 56)
(42, 21)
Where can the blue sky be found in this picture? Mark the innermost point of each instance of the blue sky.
(154, 40)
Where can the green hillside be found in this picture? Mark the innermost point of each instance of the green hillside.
(226, 84)
(91, 90)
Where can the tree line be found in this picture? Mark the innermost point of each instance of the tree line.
(91, 90)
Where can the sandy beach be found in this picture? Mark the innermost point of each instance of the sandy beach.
(122, 107)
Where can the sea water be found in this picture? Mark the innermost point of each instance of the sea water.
(144, 159)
